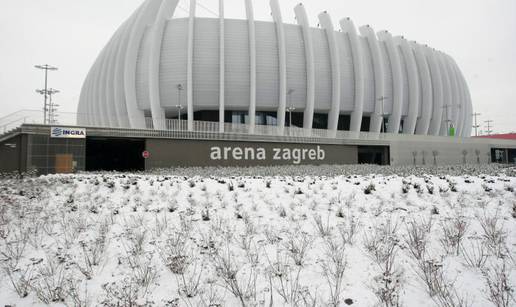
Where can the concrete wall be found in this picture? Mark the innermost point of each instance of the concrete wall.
(169, 153)
(13, 154)
(449, 151)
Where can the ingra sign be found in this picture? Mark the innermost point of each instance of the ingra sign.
(67, 133)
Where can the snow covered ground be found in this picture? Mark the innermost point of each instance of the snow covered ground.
(287, 236)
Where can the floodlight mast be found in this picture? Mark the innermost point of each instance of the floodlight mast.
(46, 68)
(50, 107)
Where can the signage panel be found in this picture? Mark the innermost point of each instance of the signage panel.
(170, 153)
(67, 133)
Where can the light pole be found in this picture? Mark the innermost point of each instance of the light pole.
(290, 107)
(382, 100)
(49, 107)
(447, 120)
(52, 108)
(489, 126)
(476, 126)
(46, 68)
(179, 106)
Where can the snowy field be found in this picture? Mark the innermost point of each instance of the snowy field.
(287, 236)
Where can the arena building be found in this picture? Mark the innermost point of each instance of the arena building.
(157, 69)
(178, 92)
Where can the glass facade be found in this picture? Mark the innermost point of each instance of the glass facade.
(320, 120)
(48, 155)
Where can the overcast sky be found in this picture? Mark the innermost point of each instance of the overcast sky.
(479, 34)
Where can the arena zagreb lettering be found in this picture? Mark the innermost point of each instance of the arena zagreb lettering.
(296, 155)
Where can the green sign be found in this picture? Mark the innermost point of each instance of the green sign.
(451, 132)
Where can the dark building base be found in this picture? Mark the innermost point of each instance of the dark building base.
(31, 148)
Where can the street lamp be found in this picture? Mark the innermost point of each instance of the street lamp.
(46, 68)
(448, 121)
(179, 106)
(290, 107)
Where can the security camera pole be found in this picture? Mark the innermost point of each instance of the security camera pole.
(46, 68)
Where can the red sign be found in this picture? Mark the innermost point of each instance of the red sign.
(146, 154)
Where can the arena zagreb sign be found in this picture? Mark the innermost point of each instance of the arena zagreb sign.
(68, 133)
(295, 155)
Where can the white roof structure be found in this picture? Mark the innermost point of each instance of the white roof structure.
(156, 65)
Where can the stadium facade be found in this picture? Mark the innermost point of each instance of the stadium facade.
(157, 68)
(180, 92)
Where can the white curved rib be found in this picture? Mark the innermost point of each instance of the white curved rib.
(459, 103)
(348, 27)
(166, 11)
(467, 114)
(93, 92)
(189, 65)
(461, 108)
(465, 105)
(451, 108)
(302, 20)
(409, 124)
(397, 82)
(426, 83)
(91, 97)
(464, 109)
(88, 107)
(110, 81)
(282, 55)
(456, 104)
(469, 127)
(465, 122)
(447, 93)
(222, 66)
(333, 115)
(144, 17)
(101, 88)
(252, 64)
(376, 117)
(437, 87)
(120, 104)
(81, 115)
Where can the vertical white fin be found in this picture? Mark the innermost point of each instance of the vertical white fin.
(302, 20)
(282, 54)
(348, 27)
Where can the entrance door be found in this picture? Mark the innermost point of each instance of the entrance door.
(64, 163)
(373, 155)
(114, 154)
